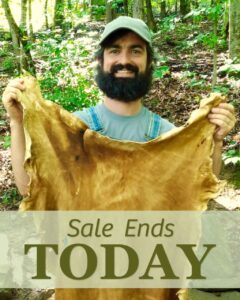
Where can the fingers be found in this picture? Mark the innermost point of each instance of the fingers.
(224, 125)
(223, 108)
(17, 83)
(224, 118)
(11, 97)
(12, 91)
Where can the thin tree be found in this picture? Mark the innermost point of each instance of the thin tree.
(109, 11)
(138, 9)
(23, 22)
(176, 7)
(215, 57)
(184, 7)
(163, 11)
(59, 14)
(234, 32)
(195, 3)
(46, 14)
(125, 5)
(30, 26)
(150, 19)
(69, 4)
(20, 41)
(225, 29)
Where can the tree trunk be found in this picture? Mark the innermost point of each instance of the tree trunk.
(234, 32)
(90, 10)
(184, 7)
(23, 22)
(46, 14)
(163, 12)
(59, 14)
(69, 4)
(176, 7)
(77, 4)
(125, 4)
(138, 9)
(30, 19)
(225, 29)
(20, 45)
(109, 11)
(214, 76)
(195, 4)
(150, 19)
(84, 5)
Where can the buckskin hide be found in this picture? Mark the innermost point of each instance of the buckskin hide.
(74, 168)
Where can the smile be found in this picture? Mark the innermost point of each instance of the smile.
(124, 73)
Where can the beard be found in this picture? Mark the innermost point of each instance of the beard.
(124, 89)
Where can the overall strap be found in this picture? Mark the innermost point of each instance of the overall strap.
(154, 126)
(94, 118)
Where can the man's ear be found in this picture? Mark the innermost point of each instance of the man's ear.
(99, 61)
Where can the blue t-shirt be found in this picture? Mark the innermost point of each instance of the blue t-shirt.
(132, 128)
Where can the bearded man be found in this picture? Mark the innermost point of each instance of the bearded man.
(124, 73)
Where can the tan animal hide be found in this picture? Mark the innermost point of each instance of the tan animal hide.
(74, 168)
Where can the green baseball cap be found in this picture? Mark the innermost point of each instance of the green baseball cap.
(135, 25)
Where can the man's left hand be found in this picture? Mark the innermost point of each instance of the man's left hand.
(223, 116)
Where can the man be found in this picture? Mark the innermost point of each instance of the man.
(124, 75)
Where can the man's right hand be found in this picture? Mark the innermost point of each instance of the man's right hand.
(11, 102)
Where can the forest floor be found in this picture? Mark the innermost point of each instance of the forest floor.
(174, 97)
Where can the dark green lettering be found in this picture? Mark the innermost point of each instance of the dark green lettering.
(65, 262)
(194, 261)
(41, 258)
(160, 253)
(110, 261)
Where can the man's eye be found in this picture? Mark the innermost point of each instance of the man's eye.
(136, 51)
(114, 51)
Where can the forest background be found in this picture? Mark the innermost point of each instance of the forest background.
(197, 51)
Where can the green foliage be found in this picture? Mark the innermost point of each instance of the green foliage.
(6, 141)
(223, 89)
(117, 5)
(197, 83)
(10, 197)
(98, 11)
(161, 71)
(168, 23)
(8, 63)
(209, 39)
(232, 156)
(4, 49)
(188, 74)
(66, 76)
(5, 36)
(211, 12)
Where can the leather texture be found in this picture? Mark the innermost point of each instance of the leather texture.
(74, 168)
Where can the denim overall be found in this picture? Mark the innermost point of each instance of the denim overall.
(152, 132)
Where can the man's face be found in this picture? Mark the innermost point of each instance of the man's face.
(124, 74)
(127, 50)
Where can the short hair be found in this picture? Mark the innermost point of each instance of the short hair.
(113, 37)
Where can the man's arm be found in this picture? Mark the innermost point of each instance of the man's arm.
(224, 118)
(14, 110)
(217, 158)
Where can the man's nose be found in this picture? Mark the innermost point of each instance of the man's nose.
(124, 58)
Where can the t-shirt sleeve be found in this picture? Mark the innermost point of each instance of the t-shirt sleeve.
(166, 126)
(82, 114)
